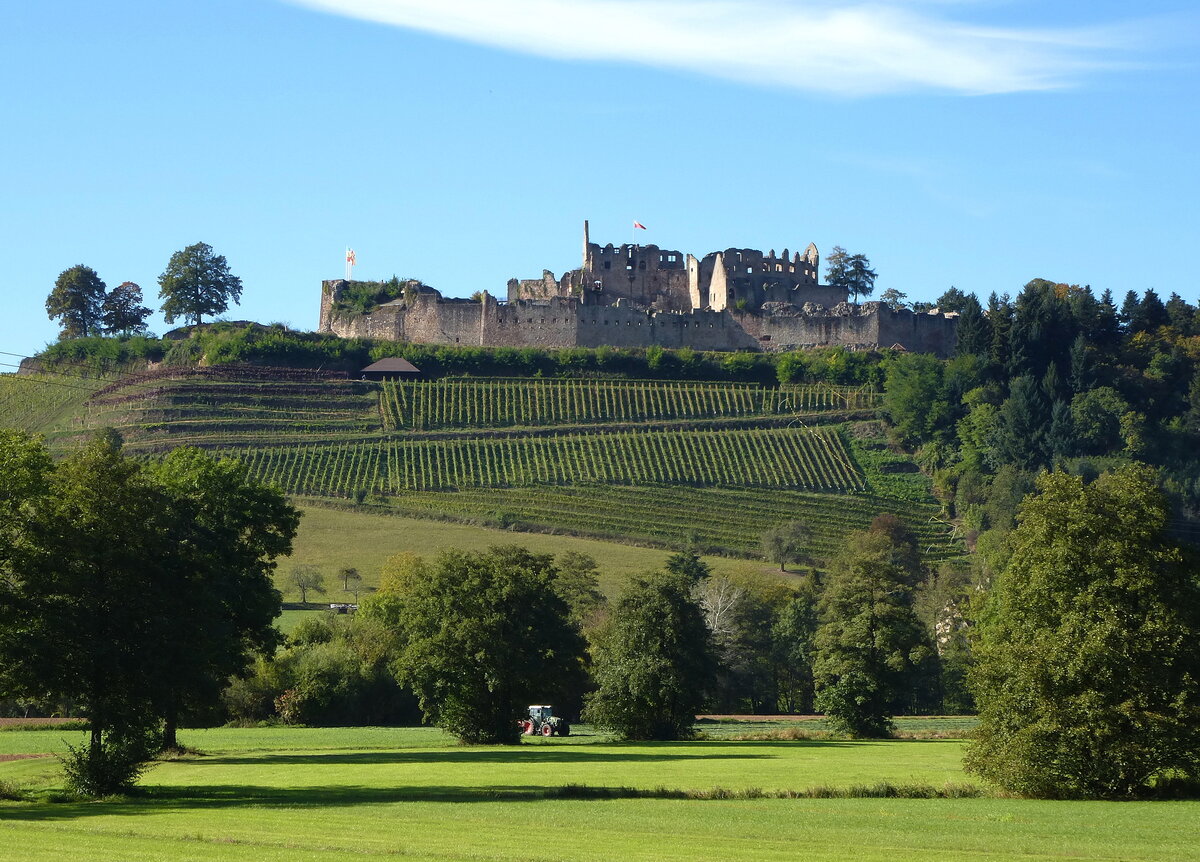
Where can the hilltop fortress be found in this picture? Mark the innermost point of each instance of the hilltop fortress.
(641, 296)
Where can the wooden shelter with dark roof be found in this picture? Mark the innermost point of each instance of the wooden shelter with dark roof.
(391, 368)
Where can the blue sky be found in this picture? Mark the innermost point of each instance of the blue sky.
(976, 143)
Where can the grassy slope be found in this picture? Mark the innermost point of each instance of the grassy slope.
(331, 538)
(326, 794)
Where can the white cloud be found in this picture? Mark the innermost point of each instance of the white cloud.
(849, 48)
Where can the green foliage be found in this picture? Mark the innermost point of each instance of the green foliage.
(1086, 671)
(197, 282)
(114, 766)
(133, 592)
(98, 354)
(306, 579)
(894, 299)
(77, 301)
(786, 543)
(871, 647)
(363, 297)
(229, 531)
(793, 650)
(484, 635)
(334, 672)
(1096, 420)
(123, 311)
(851, 273)
(578, 585)
(654, 663)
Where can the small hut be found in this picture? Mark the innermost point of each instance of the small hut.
(391, 368)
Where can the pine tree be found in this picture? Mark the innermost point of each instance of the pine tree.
(1021, 426)
(1000, 315)
(974, 330)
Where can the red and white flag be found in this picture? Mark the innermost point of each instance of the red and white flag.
(637, 225)
(350, 256)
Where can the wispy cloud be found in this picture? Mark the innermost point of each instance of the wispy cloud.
(845, 48)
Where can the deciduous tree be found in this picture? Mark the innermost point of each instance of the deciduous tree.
(228, 530)
(484, 635)
(77, 301)
(654, 663)
(122, 311)
(786, 543)
(1087, 673)
(197, 282)
(871, 646)
(307, 578)
(134, 592)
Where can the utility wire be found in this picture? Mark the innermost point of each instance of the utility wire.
(32, 379)
(57, 362)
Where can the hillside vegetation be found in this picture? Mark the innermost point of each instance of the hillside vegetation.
(658, 462)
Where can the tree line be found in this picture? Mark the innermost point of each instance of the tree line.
(196, 282)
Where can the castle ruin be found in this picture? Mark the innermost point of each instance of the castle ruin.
(641, 296)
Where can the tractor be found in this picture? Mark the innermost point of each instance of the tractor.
(542, 720)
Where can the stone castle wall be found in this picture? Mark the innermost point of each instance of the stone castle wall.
(565, 321)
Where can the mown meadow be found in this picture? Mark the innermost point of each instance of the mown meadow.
(338, 793)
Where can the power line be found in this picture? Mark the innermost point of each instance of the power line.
(32, 379)
(57, 362)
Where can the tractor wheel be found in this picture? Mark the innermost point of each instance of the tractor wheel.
(547, 729)
(527, 728)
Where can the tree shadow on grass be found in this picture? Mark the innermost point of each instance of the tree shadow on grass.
(162, 799)
(193, 798)
(514, 755)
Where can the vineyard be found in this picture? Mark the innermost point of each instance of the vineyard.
(768, 458)
(510, 403)
(648, 461)
(725, 520)
(42, 402)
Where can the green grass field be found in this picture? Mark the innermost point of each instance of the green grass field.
(364, 793)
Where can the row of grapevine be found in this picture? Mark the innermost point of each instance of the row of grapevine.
(506, 403)
(779, 458)
(34, 402)
(726, 518)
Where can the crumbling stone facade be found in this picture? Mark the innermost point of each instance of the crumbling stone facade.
(641, 296)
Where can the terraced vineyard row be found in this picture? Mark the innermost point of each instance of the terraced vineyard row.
(423, 406)
(774, 458)
(719, 518)
(35, 402)
(209, 411)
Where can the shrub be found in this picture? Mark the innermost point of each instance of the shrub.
(111, 763)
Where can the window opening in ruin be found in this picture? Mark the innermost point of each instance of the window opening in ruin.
(608, 264)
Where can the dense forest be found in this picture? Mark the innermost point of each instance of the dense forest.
(1056, 378)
